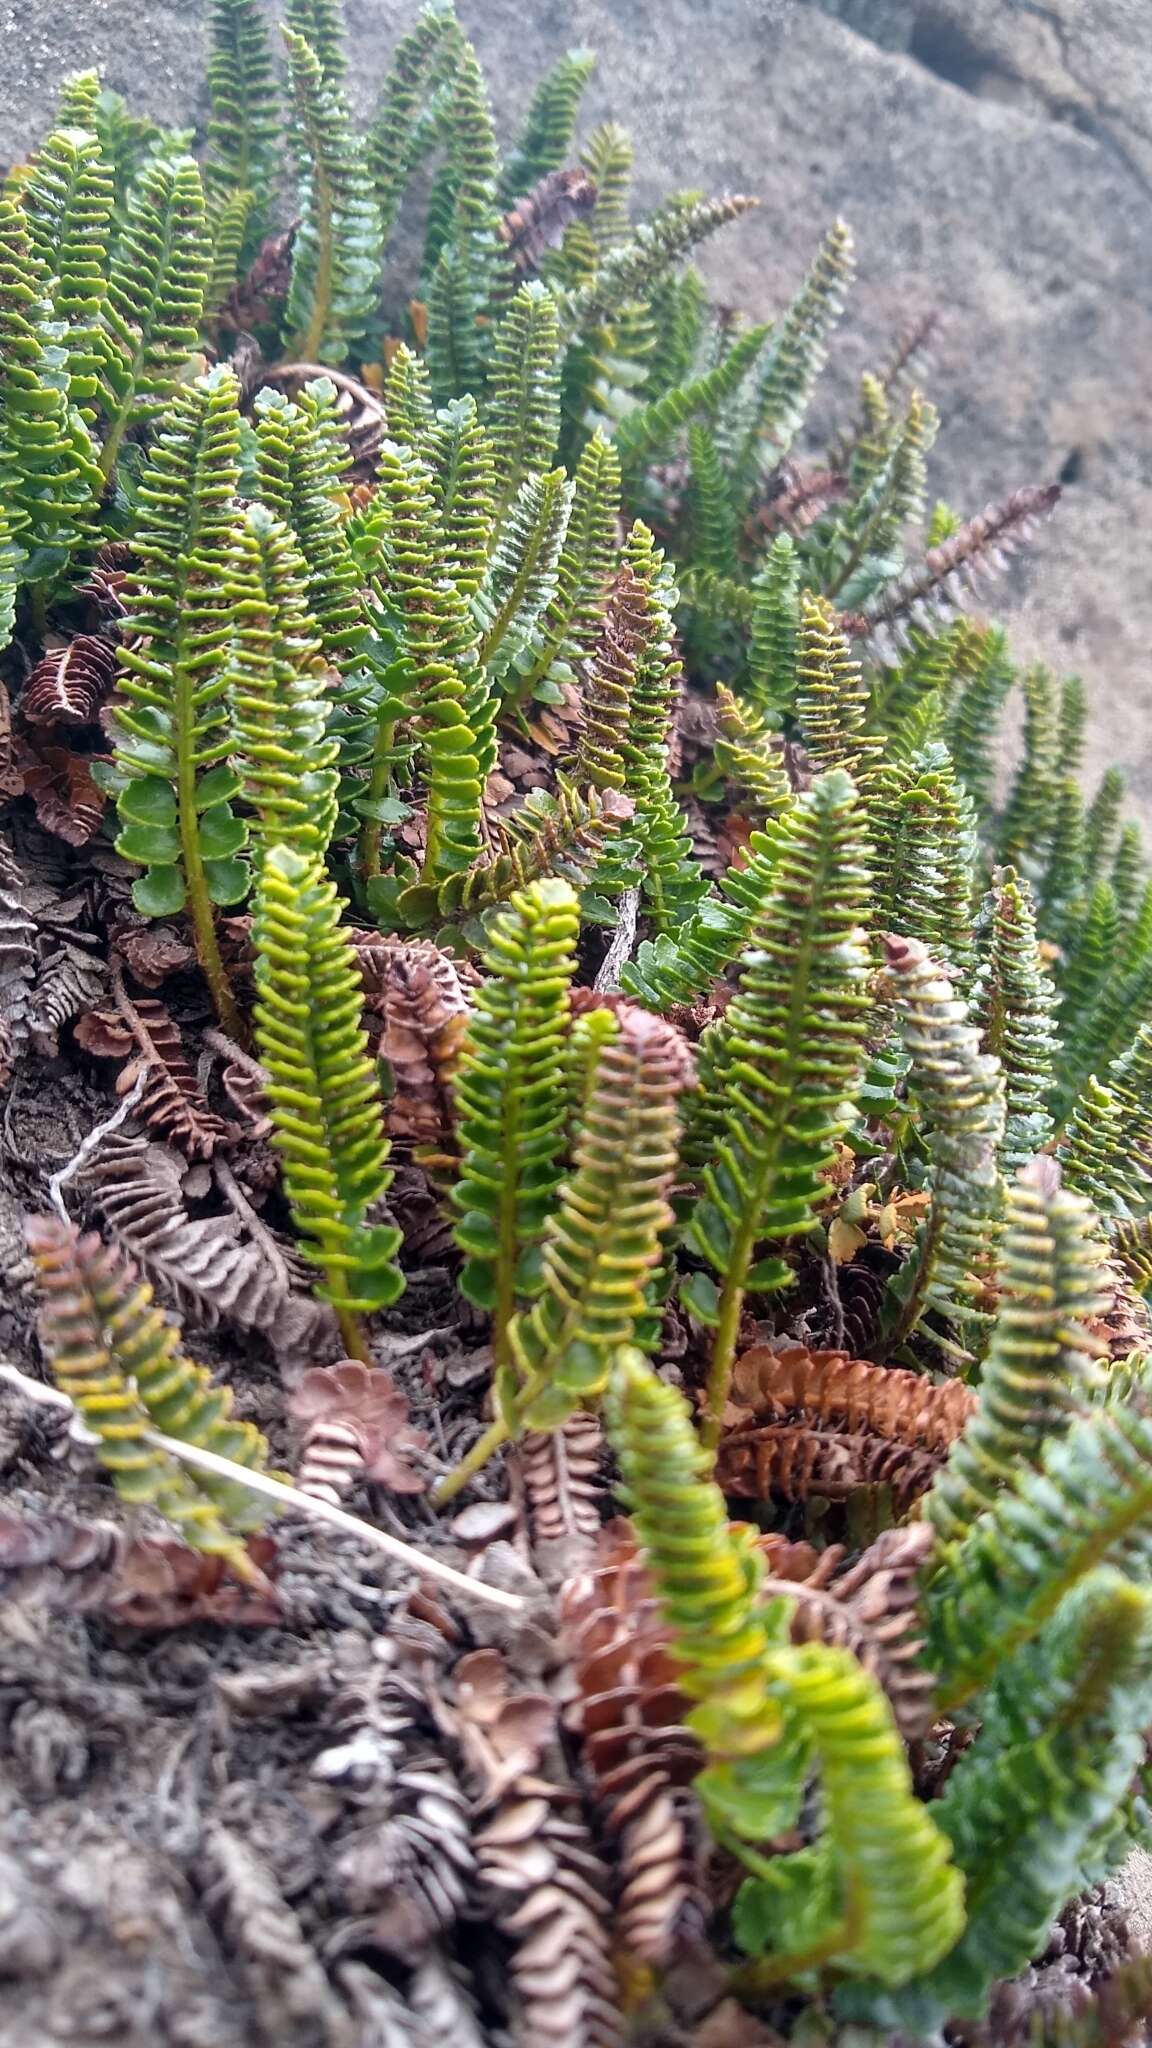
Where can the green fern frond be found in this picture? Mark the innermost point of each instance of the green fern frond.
(796, 352)
(458, 449)
(229, 228)
(300, 480)
(119, 1358)
(773, 641)
(468, 267)
(321, 25)
(322, 1087)
(831, 694)
(408, 399)
(1102, 824)
(568, 627)
(67, 199)
(566, 835)
(1013, 1002)
(276, 691)
(549, 125)
(392, 145)
(667, 971)
(170, 719)
(678, 307)
(973, 721)
(607, 156)
(1061, 887)
(1128, 871)
(1040, 1368)
(523, 408)
(336, 253)
(1130, 1079)
(244, 112)
(629, 269)
(713, 508)
(48, 477)
(154, 304)
(776, 1070)
(520, 580)
(858, 550)
(1027, 814)
(926, 851)
(647, 431)
(750, 757)
(77, 104)
(961, 1093)
(1096, 1155)
(510, 1099)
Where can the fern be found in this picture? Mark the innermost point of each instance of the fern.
(549, 124)
(508, 1086)
(170, 714)
(524, 391)
(229, 222)
(244, 116)
(563, 835)
(1095, 1153)
(322, 1087)
(630, 268)
(973, 720)
(67, 200)
(831, 695)
(648, 429)
(713, 508)
(1013, 1002)
(1102, 825)
(154, 304)
(773, 640)
(119, 1358)
(391, 149)
(1023, 827)
(336, 253)
(520, 580)
(465, 277)
(796, 351)
(1039, 1369)
(926, 856)
(749, 757)
(408, 399)
(567, 628)
(770, 1102)
(459, 451)
(300, 480)
(321, 24)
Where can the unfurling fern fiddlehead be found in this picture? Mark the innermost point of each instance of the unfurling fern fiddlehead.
(876, 1892)
(119, 1358)
(602, 1241)
(777, 1068)
(322, 1087)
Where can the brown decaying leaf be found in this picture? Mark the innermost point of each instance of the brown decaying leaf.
(254, 298)
(934, 588)
(64, 1563)
(800, 1462)
(172, 1102)
(17, 958)
(354, 1424)
(107, 578)
(561, 1472)
(871, 1609)
(418, 991)
(150, 951)
(70, 979)
(1122, 1321)
(794, 500)
(59, 782)
(829, 1390)
(539, 221)
(69, 684)
(11, 780)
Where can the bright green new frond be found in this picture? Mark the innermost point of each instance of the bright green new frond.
(392, 138)
(300, 481)
(777, 1069)
(464, 281)
(974, 718)
(520, 580)
(510, 1099)
(244, 115)
(796, 352)
(154, 304)
(78, 100)
(170, 713)
(119, 1358)
(1028, 1801)
(773, 640)
(321, 25)
(1013, 1002)
(666, 971)
(67, 200)
(604, 1235)
(1027, 815)
(408, 399)
(323, 1089)
(277, 692)
(336, 253)
(1039, 1369)
(48, 475)
(523, 409)
(831, 695)
(751, 757)
(961, 1093)
(629, 269)
(570, 622)
(549, 125)
(670, 877)
(648, 430)
(626, 626)
(458, 449)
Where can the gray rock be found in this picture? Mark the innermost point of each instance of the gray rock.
(1014, 192)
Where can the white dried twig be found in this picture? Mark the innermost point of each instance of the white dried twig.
(91, 1142)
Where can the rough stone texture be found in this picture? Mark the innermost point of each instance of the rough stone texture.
(1015, 192)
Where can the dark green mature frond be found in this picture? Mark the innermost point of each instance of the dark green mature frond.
(679, 310)
(321, 25)
(566, 834)
(712, 504)
(323, 1089)
(336, 252)
(607, 156)
(649, 429)
(926, 851)
(961, 1093)
(750, 757)
(831, 694)
(468, 268)
(512, 1122)
(1060, 889)
(520, 580)
(170, 717)
(523, 410)
(1130, 1079)
(778, 1067)
(67, 199)
(1096, 1155)
(973, 720)
(119, 1358)
(1028, 813)
(47, 472)
(79, 94)
(858, 549)
(392, 142)
(797, 350)
(154, 305)
(604, 1236)
(626, 626)
(244, 113)
(277, 692)
(458, 449)
(1102, 825)
(549, 125)
(1039, 1369)
(229, 227)
(570, 622)
(1013, 1002)
(297, 463)
(1029, 1800)
(773, 641)
(629, 269)
(1128, 871)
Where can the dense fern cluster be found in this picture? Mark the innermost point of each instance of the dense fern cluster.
(516, 645)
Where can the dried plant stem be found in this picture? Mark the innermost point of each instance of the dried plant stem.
(418, 1561)
(80, 1158)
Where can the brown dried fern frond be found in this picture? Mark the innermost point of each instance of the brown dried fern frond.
(872, 1610)
(70, 980)
(68, 802)
(70, 685)
(561, 1472)
(802, 1463)
(831, 1391)
(419, 992)
(17, 962)
(172, 1102)
(540, 220)
(354, 1425)
(933, 590)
